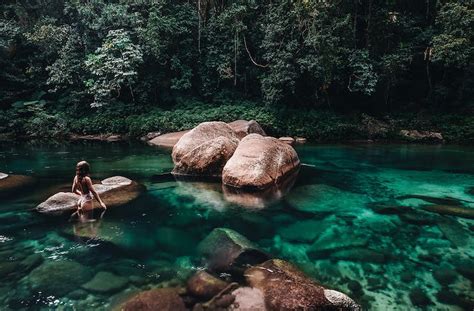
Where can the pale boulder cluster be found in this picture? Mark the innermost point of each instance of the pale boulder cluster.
(238, 152)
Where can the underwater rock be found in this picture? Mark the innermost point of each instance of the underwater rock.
(163, 299)
(304, 230)
(445, 276)
(32, 261)
(9, 184)
(244, 127)
(114, 191)
(385, 208)
(419, 298)
(259, 162)
(167, 140)
(204, 150)
(434, 200)
(248, 299)
(421, 136)
(285, 287)
(359, 254)
(105, 282)
(322, 198)
(334, 240)
(226, 250)
(465, 267)
(58, 277)
(8, 267)
(446, 296)
(454, 232)
(418, 217)
(167, 237)
(205, 285)
(459, 211)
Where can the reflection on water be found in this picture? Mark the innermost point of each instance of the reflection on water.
(366, 220)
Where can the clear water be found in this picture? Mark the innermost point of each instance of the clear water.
(327, 224)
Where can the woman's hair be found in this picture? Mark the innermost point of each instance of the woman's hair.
(83, 169)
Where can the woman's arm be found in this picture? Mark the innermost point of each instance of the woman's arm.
(74, 186)
(96, 195)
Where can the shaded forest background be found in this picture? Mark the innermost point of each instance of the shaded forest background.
(303, 67)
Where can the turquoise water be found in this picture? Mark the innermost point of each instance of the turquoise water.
(354, 220)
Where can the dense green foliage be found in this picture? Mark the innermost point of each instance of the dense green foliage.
(126, 66)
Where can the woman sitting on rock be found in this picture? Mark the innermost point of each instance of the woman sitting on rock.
(82, 185)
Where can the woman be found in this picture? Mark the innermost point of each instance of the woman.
(82, 185)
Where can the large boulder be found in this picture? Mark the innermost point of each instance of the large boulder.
(167, 140)
(11, 183)
(204, 150)
(244, 127)
(259, 162)
(226, 250)
(58, 277)
(285, 287)
(163, 299)
(114, 191)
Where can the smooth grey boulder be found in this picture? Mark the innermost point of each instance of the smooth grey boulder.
(114, 191)
(11, 183)
(226, 250)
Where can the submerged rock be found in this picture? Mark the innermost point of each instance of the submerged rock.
(434, 200)
(226, 250)
(419, 298)
(445, 276)
(244, 127)
(454, 232)
(167, 140)
(418, 217)
(304, 230)
(459, 211)
(12, 183)
(335, 240)
(204, 150)
(114, 191)
(248, 299)
(259, 162)
(105, 282)
(163, 299)
(284, 287)
(58, 277)
(359, 254)
(205, 285)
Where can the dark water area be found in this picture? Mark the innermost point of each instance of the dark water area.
(357, 219)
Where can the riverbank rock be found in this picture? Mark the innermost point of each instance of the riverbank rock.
(163, 299)
(259, 162)
(421, 136)
(114, 191)
(244, 127)
(287, 140)
(58, 277)
(99, 137)
(204, 150)
(167, 140)
(284, 287)
(226, 250)
(105, 282)
(11, 183)
(205, 285)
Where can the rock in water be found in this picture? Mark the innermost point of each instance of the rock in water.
(459, 211)
(454, 232)
(105, 282)
(167, 140)
(205, 285)
(248, 299)
(163, 299)
(9, 184)
(259, 162)
(114, 191)
(419, 298)
(204, 150)
(421, 136)
(285, 287)
(58, 277)
(227, 251)
(244, 127)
